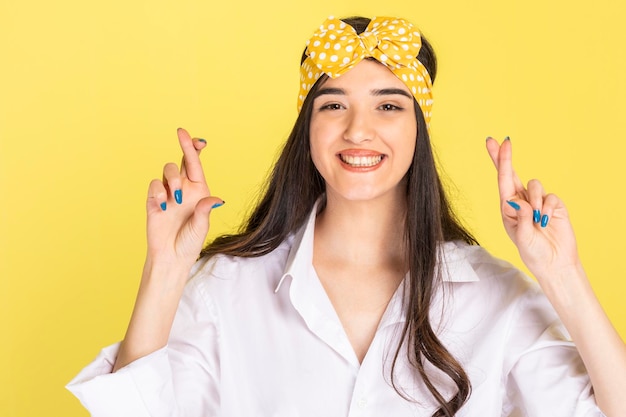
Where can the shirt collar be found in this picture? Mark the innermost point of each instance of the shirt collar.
(453, 256)
(300, 257)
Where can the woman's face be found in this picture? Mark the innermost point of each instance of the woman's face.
(363, 132)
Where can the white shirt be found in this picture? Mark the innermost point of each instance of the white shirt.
(258, 337)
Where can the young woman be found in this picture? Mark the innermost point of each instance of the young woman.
(352, 289)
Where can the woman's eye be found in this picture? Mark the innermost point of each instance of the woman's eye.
(331, 106)
(388, 107)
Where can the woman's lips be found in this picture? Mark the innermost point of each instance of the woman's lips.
(361, 159)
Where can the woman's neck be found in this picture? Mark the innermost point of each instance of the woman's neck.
(363, 232)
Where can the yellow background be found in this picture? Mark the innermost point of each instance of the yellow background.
(91, 94)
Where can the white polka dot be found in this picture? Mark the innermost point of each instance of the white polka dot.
(383, 57)
(316, 43)
(414, 90)
(342, 25)
(397, 57)
(337, 46)
(404, 77)
(349, 48)
(405, 39)
(332, 37)
(334, 58)
(346, 60)
(420, 78)
(310, 74)
(343, 38)
(327, 45)
(391, 27)
(411, 77)
(405, 46)
(385, 46)
(322, 55)
(304, 86)
(312, 54)
(331, 26)
(402, 31)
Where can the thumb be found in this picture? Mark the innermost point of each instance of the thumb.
(200, 219)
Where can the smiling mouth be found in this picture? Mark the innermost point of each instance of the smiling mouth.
(361, 161)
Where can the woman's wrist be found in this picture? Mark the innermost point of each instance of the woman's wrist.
(566, 287)
(166, 272)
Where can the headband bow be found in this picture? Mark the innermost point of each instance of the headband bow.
(336, 47)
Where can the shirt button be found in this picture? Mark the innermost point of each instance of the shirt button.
(361, 403)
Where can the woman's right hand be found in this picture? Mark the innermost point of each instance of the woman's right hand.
(178, 208)
(178, 221)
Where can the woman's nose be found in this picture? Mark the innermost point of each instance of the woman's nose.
(359, 127)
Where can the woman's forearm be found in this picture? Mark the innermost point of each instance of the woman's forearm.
(600, 346)
(159, 293)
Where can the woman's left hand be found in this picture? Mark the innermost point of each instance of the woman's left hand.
(535, 221)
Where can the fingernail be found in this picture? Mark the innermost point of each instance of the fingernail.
(178, 196)
(489, 137)
(201, 140)
(507, 138)
(164, 206)
(216, 205)
(544, 220)
(513, 204)
(536, 216)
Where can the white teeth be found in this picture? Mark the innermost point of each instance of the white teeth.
(361, 161)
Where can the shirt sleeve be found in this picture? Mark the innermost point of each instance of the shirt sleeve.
(546, 376)
(179, 380)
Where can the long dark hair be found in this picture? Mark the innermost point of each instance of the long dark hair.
(295, 185)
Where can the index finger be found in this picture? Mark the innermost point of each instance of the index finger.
(509, 183)
(191, 166)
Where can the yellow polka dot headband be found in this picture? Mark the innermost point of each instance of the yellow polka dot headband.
(336, 47)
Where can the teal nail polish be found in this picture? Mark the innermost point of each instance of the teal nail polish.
(216, 205)
(513, 204)
(178, 196)
(201, 140)
(507, 138)
(544, 220)
(164, 206)
(536, 216)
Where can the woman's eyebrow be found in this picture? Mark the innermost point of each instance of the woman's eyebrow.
(391, 91)
(335, 91)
